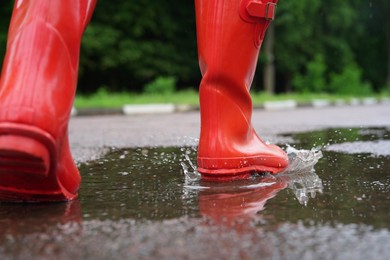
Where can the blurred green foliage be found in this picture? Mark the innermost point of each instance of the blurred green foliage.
(318, 42)
(349, 81)
(161, 85)
(5, 14)
(129, 44)
(314, 79)
(320, 46)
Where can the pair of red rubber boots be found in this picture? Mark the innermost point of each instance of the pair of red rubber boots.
(39, 79)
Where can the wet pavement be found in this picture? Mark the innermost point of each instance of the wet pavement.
(141, 199)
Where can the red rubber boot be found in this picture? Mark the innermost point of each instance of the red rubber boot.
(37, 90)
(230, 33)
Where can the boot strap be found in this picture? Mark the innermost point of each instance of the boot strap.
(266, 11)
(252, 10)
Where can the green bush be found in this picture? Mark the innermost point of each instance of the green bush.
(349, 81)
(161, 85)
(314, 78)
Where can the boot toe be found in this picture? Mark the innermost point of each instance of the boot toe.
(278, 157)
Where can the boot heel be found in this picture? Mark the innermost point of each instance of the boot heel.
(26, 165)
(22, 155)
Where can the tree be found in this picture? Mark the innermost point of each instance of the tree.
(269, 67)
(131, 43)
(295, 42)
(384, 9)
(5, 14)
(308, 28)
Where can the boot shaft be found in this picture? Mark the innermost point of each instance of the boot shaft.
(39, 74)
(229, 35)
(68, 18)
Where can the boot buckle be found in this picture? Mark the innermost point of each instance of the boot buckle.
(257, 9)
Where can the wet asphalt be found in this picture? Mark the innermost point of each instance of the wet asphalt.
(31, 232)
(92, 136)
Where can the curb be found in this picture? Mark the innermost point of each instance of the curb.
(168, 108)
(135, 110)
(148, 109)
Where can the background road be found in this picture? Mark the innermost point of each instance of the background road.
(91, 136)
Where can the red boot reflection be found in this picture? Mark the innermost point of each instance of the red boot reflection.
(21, 219)
(235, 206)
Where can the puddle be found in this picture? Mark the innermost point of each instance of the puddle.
(152, 198)
(144, 184)
(150, 184)
(162, 183)
(356, 184)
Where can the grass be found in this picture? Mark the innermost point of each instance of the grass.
(104, 99)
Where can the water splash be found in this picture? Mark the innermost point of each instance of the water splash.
(190, 170)
(299, 176)
(301, 160)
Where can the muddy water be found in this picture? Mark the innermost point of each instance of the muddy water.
(140, 202)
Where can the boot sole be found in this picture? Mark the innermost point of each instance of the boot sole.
(230, 169)
(28, 165)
